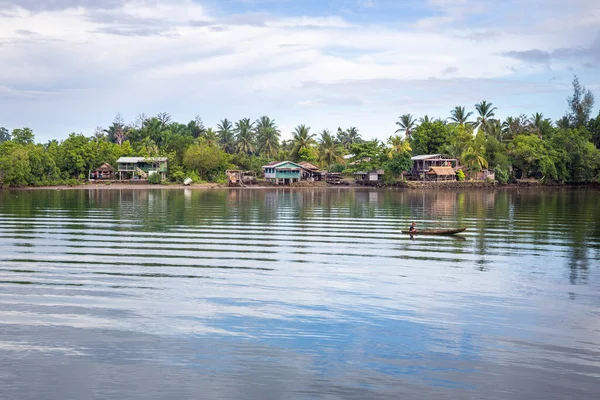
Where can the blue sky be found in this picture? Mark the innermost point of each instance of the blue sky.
(72, 65)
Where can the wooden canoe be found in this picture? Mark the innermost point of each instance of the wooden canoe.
(435, 231)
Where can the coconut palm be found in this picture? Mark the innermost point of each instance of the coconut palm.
(244, 136)
(398, 144)
(211, 137)
(149, 146)
(486, 113)
(494, 129)
(460, 116)
(513, 126)
(267, 136)
(536, 123)
(473, 158)
(456, 149)
(564, 122)
(226, 136)
(425, 119)
(302, 139)
(406, 124)
(353, 135)
(330, 151)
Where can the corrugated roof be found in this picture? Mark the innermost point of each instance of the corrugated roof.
(441, 171)
(424, 157)
(307, 165)
(133, 160)
(277, 163)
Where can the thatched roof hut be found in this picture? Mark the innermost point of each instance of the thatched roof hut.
(441, 174)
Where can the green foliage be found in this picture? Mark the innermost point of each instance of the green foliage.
(398, 163)
(309, 154)
(367, 156)
(501, 174)
(580, 105)
(530, 146)
(431, 137)
(4, 134)
(14, 164)
(594, 129)
(533, 157)
(246, 162)
(208, 161)
(460, 175)
(154, 179)
(23, 136)
(577, 160)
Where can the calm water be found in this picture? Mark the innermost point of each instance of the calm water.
(306, 294)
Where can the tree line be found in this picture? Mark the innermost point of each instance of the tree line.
(518, 147)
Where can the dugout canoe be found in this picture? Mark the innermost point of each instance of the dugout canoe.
(435, 231)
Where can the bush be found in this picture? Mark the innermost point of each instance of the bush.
(154, 179)
(501, 175)
(194, 177)
(107, 183)
(460, 175)
(178, 176)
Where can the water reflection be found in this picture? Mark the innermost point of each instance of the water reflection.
(298, 294)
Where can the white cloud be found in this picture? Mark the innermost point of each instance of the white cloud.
(181, 57)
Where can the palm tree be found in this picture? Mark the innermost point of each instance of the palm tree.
(244, 138)
(536, 123)
(226, 136)
(456, 149)
(486, 113)
(398, 144)
(353, 136)
(495, 129)
(331, 152)
(267, 136)
(460, 116)
(425, 119)
(302, 139)
(211, 137)
(406, 124)
(564, 122)
(473, 159)
(149, 147)
(513, 126)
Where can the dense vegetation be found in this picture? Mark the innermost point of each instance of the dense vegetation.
(518, 147)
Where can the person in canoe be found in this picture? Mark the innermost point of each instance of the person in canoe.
(413, 227)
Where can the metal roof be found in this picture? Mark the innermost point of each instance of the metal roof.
(134, 160)
(275, 164)
(424, 157)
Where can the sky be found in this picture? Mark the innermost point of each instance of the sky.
(72, 65)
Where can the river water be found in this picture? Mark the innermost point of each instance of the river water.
(299, 294)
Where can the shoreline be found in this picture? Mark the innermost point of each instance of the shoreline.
(410, 186)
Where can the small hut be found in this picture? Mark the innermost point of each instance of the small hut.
(441, 174)
(105, 171)
(311, 171)
(333, 178)
(369, 177)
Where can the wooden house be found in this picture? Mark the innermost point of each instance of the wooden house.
(311, 171)
(105, 172)
(333, 178)
(369, 177)
(422, 164)
(441, 174)
(282, 172)
(140, 167)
